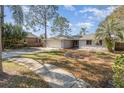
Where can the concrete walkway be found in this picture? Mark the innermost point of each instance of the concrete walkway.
(56, 77)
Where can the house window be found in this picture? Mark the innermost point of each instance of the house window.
(88, 42)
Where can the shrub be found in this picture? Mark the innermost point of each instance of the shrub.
(118, 69)
(12, 36)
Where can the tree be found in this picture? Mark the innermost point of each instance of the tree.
(38, 17)
(114, 26)
(118, 14)
(61, 26)
(1, 28)
(16, 15)
(12, 35)
(110, 31)
(83, 31)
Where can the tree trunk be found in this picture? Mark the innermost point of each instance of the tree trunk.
(1, 29)
(45, 27)
(45, 33)
(109, 44)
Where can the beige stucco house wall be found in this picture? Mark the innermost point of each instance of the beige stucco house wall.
(82, 44)
(67, 42)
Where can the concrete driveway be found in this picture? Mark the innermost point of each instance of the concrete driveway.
(17, 52)
(55, 76)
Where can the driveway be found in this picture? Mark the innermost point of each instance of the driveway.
(17, 52)
(55, 76)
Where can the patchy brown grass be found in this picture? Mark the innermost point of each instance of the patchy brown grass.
(93, 67)
(17, 76)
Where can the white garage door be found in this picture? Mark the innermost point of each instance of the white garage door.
(54, 43)
(67, 44)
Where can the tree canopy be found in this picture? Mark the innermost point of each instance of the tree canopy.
(39, 16)
(17, 13)
(12, 34)
(111, 29)
(60, 26)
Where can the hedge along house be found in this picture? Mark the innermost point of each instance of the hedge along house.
(32, 40)
(74, 42)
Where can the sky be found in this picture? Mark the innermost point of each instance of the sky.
(89, 16)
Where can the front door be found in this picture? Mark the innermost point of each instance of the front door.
(76, 44)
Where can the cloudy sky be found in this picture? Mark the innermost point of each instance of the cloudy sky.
(83, 15)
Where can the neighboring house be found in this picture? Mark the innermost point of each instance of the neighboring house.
(74, 42)
(32, 40)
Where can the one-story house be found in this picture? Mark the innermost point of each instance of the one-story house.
(74, 41)
(32, 40)
(85, 41)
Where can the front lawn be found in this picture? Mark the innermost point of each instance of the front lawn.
(18, 76)
(93, 67)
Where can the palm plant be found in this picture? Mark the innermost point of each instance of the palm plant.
(83, 31)
(18, 17)
(109, 31)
